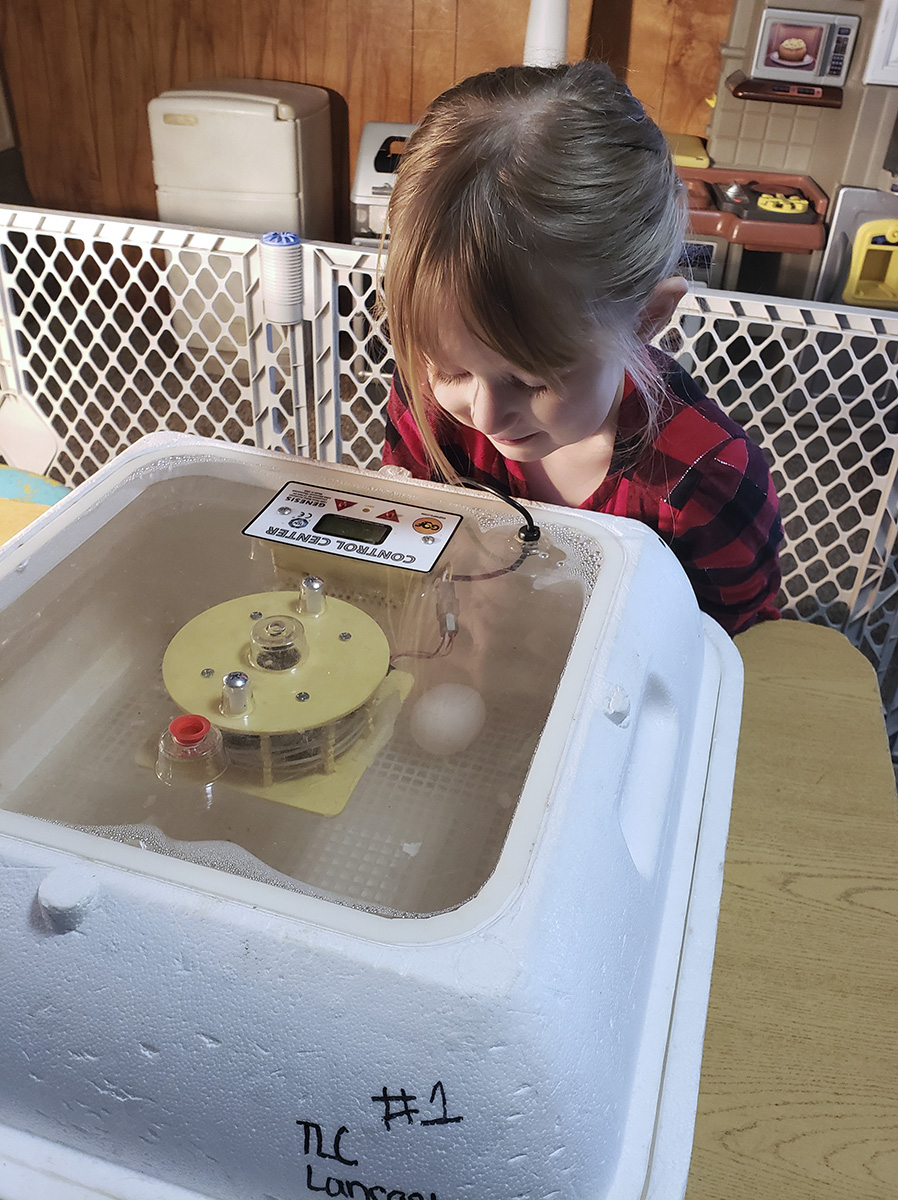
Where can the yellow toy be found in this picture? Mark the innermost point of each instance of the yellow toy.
(23, 497)
(873, 274)
(779, 202)
(688, 150)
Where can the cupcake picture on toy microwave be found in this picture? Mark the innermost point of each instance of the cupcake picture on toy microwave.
(809, 47)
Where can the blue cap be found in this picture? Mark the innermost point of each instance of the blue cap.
(281, 239)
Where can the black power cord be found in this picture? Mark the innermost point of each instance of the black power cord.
(447, 603)
(528, 535)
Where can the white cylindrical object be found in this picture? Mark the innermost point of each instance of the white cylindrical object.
(236, 694)
(66, 894)
(280, 260)
(545, 43)
(314, 596)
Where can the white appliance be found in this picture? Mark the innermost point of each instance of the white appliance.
(247, 154)
(380, 149)
(432, 914)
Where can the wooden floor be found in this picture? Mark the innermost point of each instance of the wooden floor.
(799, 1092)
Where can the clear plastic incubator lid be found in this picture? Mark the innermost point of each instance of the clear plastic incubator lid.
(293, 672)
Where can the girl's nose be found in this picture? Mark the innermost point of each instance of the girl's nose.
(493, 407)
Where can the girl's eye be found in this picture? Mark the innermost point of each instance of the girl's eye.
(447, 379)
(442, 376)
(532, 389)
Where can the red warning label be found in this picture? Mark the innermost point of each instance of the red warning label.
(341, 503)
(391, 515)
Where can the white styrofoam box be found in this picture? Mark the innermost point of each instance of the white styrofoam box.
(250, 154)
(346, 1029)
(380, 147)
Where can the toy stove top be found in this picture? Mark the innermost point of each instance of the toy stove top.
(760, 210)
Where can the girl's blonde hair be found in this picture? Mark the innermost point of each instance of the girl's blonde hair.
(542, 204)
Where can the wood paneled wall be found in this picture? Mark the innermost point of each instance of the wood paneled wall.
(79, 73)
(674, 59)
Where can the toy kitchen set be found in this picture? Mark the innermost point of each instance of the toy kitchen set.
(743, 223)
(729, 211)
(796, 197)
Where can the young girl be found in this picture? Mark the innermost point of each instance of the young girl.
(535, 228)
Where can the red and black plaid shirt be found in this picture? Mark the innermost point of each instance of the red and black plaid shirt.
(702, 484)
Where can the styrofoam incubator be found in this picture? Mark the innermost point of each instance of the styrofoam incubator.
(358, 837)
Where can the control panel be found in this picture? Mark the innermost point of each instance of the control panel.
(355, 526)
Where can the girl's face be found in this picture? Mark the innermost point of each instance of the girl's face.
(524, 417)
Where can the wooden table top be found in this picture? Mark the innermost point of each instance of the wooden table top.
(799, 1087)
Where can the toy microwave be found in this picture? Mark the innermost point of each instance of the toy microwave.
(804, 47)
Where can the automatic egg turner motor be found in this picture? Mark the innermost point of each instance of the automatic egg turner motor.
(277, 688)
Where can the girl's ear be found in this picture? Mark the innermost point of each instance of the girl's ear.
(659, 307)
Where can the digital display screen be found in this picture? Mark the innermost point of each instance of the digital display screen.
(333, 525)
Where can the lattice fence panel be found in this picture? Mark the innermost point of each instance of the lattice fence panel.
(817, 388)
(822, 401)
(348, 341)
(119, 329)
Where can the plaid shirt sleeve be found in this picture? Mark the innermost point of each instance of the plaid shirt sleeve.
(724, 527)
(706, 489)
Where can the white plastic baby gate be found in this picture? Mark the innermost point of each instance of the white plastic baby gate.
(114, 328)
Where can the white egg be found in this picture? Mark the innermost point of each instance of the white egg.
(447, 718)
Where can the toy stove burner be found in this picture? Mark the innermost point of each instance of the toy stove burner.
(292, 682)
